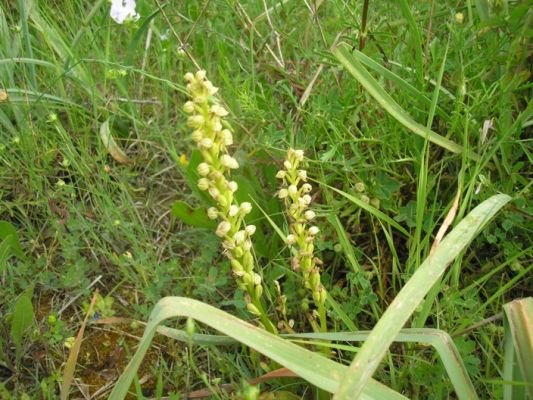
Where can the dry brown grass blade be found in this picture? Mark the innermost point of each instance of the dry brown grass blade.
(446, 224)
(70, 366)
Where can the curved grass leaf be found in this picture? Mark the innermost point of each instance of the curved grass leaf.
(354, 67)
(192, 216)
(367, 360)
(439, 340)
(313, 367)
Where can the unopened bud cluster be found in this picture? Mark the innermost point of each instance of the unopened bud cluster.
(295, 190)
(213, 138)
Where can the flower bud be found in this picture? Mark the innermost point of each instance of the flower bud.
(365, 199)
(218, 110)
(302, 174)
(229, 162)
(223, 228)
(293, 190)
(291, 239)
(233, 186)
(206, 143)
(257, 279)
(314, 230)
(203, 184)
(459, 17)
(299, 155)
(281, 174)
(188, 107)
(253, 309)
(211, 90)
(309, 215)
(247, 245)
(307, 199)
(212, 213)
(287, 164)
(306, 187)
(250, 230)
(189, 76)
(195, 121)
(227, 137)
(246, 208)
(258, 291)
(283, 193)
(203, 169)
(197, 135)
(214, 192)
(360, 187)
(200, 75)
(236, 266)
(233, 210)
(239, 237)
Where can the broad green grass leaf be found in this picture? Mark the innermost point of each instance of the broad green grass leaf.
(313, 367)
(518, 348)
(21, 320)
(9, 243)
(192, 216)
(401, 309)
(354, 67)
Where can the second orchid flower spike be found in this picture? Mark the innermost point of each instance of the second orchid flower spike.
(295, 191)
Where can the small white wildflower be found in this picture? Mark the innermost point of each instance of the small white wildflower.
(307, 199)
(233, 186)
(211, 90)
(309, 215)
(302, 174)
(291, 239)
(227, 137)
(233, 210)
(306, 188)
(314, 230)
(200, 75)
(219, 110)
(293, 190)
(223, 228)
(281, 174)
(287, 164)
(299, 155)
(283, 193)
(246, 208)
(229, 162)
(487, 124)
(122, 10)
(203, 184)
(203, 169)
(212, 213)
(188, 107)
(250, 230)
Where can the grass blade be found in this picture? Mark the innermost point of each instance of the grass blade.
(367, 360)
(439, 340)
(354, 67)
(315, 368)
(518, 348)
